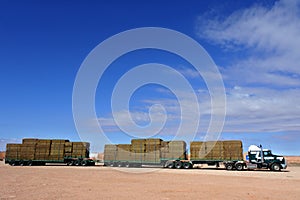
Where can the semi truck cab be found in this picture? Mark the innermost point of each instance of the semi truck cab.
(263, 158)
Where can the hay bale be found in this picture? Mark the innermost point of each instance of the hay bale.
(59, 141)
(29, 141)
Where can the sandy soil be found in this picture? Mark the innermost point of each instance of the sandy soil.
(64, 182)
(293, 160)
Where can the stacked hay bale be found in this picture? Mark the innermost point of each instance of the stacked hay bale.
(164, 149)
(80, 149)
(27, 149)
(233, 150)
(152, 150)
(173, 150)
(68, 149)
(57, 150)
(124, 152)
(216, 150)
(147, 151)
(110, 153)
(13, 152)
(197, 150)
(138, 148)
(42, 150)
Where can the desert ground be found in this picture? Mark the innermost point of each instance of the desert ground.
(97, 182)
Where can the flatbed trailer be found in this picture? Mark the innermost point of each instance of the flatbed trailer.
(212, 153)
(67, 161)
(42, 151)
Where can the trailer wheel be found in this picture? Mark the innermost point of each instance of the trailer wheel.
(12, 163)
(22, 163)
(70, 163)
(127, 164)
(229, 166)
(239, 166)
(29, 163)
(84, 163)
(77, 162)
(178, 165)
(275, 167)
(120, 164)
(170, 164)
(187, 165)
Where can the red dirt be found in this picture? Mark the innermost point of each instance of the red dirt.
(64, 182)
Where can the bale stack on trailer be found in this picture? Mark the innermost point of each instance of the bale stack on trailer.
(153, 150)
(57, 150)
(143, 152)
(138, 149)
(80, 149)
(174, 150)
(216, 150)
(28, 149)
(197, 150)
(110, 153)
(124, 152)
(233, 150)
(42, 150)
(13, 152)
(68, 149)
(164, 149)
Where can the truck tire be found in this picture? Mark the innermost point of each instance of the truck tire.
(239, 166)
(21, 163)
(84, 163)
(29, 163)
(70, 163)
(12, 163)
(120, 164)
(178, 164)
(187, 165)
(229, 166)
(170, 165)
(77, 162)
(275, 167)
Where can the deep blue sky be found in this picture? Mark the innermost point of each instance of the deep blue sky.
(42, 45)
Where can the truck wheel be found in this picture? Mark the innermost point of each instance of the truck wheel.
(229, 166)
(275, 167)
(178, 165)
(239, 166)
(187, 165)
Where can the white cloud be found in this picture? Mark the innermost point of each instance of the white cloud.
(4, 141)
(249, 109)
(263, 85)
(270, 36)
(262, 109)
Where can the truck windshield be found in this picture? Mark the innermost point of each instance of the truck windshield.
(267, 153)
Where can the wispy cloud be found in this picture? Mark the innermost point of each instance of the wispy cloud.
(4, 141)
(270, 36)
(262, 85)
